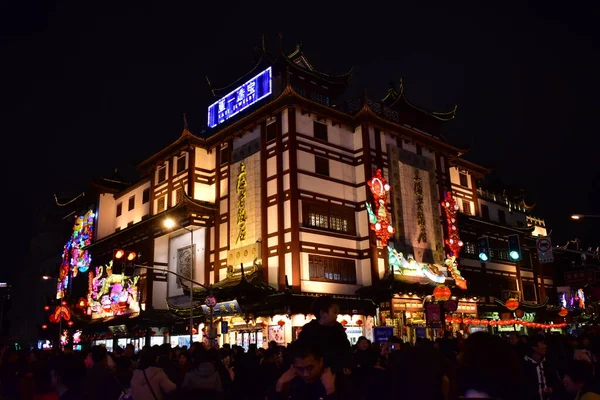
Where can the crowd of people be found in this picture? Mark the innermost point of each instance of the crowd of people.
(321, 364)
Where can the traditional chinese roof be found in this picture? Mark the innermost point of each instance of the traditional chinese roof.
(301, 303)
(397, 98)
(114, 183)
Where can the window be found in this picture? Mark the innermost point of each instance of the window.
(320, 130)
(466, 207)
(178, 195)
(420, 151)
(119, 209)
(146, 196)
(130, 223)
(145, 217)
(485, 212)
(329, 216)
(528, 291)
(469, 248)
(502, 216)
(321, 166)
(271, 131)
(131, 204)
(160, 207)
(329, 269)
(464, 178)
(180, 163)
(225, 155)
(319, 98)
(162, 174)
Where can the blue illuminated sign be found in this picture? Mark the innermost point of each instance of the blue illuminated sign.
(241, 98)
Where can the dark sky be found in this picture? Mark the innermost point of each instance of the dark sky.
(90, 86)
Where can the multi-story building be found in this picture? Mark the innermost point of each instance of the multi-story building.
(269, 206)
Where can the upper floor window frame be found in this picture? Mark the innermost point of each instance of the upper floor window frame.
(180, 164)
(161, 174)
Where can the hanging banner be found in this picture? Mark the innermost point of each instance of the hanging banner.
(544, 250)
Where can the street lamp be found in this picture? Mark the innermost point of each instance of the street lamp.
(46, 277)
(580, 216)
(170, 223)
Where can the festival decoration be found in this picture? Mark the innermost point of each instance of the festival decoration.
(512, 304)
(453, 241)
(44, 326)
(111, 294)
(60, 312)
(467, 321)
(74, 259)
(359, 322)
(410, 267)
(452, 266)
(240, 189)
(281, 322)
(442, 293)
(46, 308)
(380, 221)
(418, 186)
(493, 323)
(580, 298)
(563, 312)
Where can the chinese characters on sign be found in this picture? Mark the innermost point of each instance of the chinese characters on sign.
(241, 98)
(223, 309)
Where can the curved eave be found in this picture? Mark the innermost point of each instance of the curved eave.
(186, 138)
(441, 115)
(476, 169)
(220, 92)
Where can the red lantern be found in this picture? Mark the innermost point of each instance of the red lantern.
(493, 322)
(359, 322)
(512, 304)
(70, 323)
(448, 319)
(457, 320)
(44, 326)
(344, 322)
(281, 322)
(442, 293)
(476, 321)
(484, 322)
(563, 312)
(46, 308)
(467, 321)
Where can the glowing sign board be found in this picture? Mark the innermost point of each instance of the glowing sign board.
(241, 98)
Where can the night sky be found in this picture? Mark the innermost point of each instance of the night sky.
(91, 86)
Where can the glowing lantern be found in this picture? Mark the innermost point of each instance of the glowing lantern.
(457, 320)
(448, 319)
(281, 322)
(344, 322)
(563, 312)
(70, 323)
(476, 321)
(493, 323)
(512, 304)
(359, 322)
(484, 322)
(46, 308)
(467, 321)
(44, 326)
(82, 303)
(442, 293)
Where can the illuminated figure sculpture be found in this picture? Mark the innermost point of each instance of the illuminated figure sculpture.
(453, 241)
(380, 222)
(399, 264)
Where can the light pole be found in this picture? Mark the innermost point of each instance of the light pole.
(170, 223)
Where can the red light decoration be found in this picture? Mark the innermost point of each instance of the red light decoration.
(467, 321)
(60, 312)
(476, 321)
(512, 304)
(484, 322)
(46, 308)
(453, 240)
(344, 322)
(442, 293)
(281, 322)
(359, 322)
(380, 220)
(44, 326)
(493, 323)
(563, 312)
(70, 323)
(448, 319)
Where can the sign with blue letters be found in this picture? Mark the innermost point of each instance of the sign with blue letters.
(241, 98)
(382, 333)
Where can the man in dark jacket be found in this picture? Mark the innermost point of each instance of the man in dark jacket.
(539, 377)
(329, 333)
(309, 379)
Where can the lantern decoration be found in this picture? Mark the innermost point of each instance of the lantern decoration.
(46, 308)
(44, 326)
(380, 220)
(359, 322)
(563, 312)
(82, 303)
(512, 304)
(281, 322)
(70, 323)
(442, 293)
(467, 321)
(457, 320)
(453, 240)
(484, 322)
(448, 319)
(344, 322)
(60, 312)
(519, 313)
(476, 321)
(493, 323)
